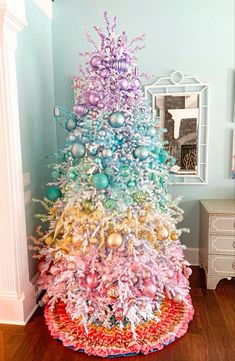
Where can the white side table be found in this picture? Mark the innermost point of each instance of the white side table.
(217, 240)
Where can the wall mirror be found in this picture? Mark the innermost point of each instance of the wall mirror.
(181, 104)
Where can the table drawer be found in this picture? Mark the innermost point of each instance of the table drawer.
(222, 224)
(221, 265)
(220, 244)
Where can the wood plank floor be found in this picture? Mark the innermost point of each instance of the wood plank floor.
(211, 335)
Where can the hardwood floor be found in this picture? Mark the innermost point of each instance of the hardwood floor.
(211, 335)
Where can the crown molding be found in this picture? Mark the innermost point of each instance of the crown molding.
(45, 6)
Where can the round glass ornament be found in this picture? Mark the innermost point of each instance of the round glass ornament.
(78, 150)
(71, 124)
(141, 152)
(54, 193)
(117, 119)
(100, 181)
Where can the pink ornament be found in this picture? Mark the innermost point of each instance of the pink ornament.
(123, 83)
(100, 105)
(146, 274)
(136, 84)
(91, 309)
(149, 290)
(187, 271)
(95, 61)
(71, 266)
(178, 298)
(118, 314)
(104, 73)
(54, 270)
(43, 267)
(131, 301)
(170, 273)
(106, 278)
(93, 99)
(124, 278)
(92, 280)
(50, 280)
(134, 280)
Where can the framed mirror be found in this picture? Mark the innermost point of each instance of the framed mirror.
(181, 105)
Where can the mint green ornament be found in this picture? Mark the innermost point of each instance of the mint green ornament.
(110, 203)
(54, 193)
(141, 152)
(109, 171)
(152, 165)
(124, 171)
(100, 181)
(72, 175)
(152, 131)
(55, 174)
(131, 184)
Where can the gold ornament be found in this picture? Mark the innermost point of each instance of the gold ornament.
(142, 219)
(114, 240)
(113, 292)
(94, 241)
(174, 236)
(49, 240)
(162, 233)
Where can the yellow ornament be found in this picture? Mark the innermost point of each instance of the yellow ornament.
(174, 236)
(49, 240)
(162, 233)
(114, 240)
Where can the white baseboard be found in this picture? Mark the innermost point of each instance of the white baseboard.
(192, 255)
(16, 309)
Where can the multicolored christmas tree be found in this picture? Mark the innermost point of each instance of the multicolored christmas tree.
(111, 267)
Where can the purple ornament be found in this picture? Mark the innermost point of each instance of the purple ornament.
(95, 61)
(121, 66)
(104, 73)
(136, 83)
(80, 109)
(93, 99)
(124, 84)
(100, 105)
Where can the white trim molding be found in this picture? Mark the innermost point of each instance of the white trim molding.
(45, 6)
(192, 255)
(17, 299)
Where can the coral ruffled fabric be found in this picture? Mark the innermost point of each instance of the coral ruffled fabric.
(99, 341)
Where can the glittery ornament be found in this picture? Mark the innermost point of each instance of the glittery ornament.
(100, 181)
(80, 110)
(114, 240)
(113, 292)
(140, 197)
(124, 171)
(141, 153)
(117, 119)
(110, 203)
(92, 280)
(131, 301)
(78, 150)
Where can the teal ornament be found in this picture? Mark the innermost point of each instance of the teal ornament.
(152, 131)
(119, 137)
(124, 171)
(117, 119)
(141, 152)
(55, 174)
(152, 165)
(97, 160)
(106, 153)
(162, 156)
(71, 124)
(78, 150)
(110, 203)
(131, 184)
(109, 171)
(72, 175)
(100, 181)
(54, 193)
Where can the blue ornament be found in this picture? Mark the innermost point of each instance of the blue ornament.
(54, 193)
(162, 156)
(141, 152)
(71, 124)
(100, 181)
(78, 150)
(117, 119)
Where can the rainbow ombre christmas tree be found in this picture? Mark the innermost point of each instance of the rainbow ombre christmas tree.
(111, 263)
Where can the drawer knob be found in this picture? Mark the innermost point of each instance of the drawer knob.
(233, 265)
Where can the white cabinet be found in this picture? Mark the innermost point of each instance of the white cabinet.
(217, 240)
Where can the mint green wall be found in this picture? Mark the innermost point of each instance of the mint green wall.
(36, 101)
(196, 37)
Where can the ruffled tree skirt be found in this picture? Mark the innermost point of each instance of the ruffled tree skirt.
(99, 341)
